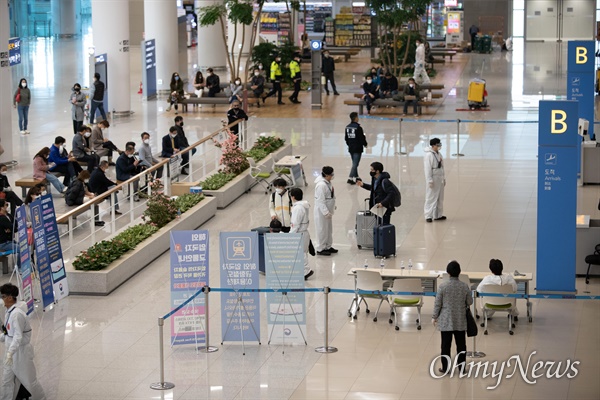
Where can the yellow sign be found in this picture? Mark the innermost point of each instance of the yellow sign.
(555, 120)
(580, 55)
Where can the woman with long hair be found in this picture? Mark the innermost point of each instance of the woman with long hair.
(41, 169)
(199, 83)
(176, 91)
(21, 101)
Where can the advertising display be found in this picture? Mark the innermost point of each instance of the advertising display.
(41, 252)
(189, 273)
(14, 51)
(454, 30)
(284, 256)
(240, 312)
(52, 242)
(557, 196)
(25, 259)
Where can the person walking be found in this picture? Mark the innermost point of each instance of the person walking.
(21, 101)
(436, 181)
(280, 206)
(18, 358)
(327, 69)
(77, 101)
(101, 145)
(97, 98)
(382, 194)
(449, 316)
(257, 85)
(420, 71)
(296, 75)
(276, 76)
(176, 87)
(324, 210)
(299, 224)
(356, 142)
(473, 31)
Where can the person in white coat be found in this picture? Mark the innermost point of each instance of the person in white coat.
(18, 359)
(420, 74)
(324, 210)
(436, 181)
(299, 224)
(499, 279)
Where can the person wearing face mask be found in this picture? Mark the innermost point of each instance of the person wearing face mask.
(99, 184)
(356, 142)
(324, 210)
(436, 181)
(128, 166)
(296, 75)
(276, 76)
(371, 92)
(389, 85)
(236, 89)
(97, 98)
(32, 194)
(22, 101)
(375, 76)
(81, 151)
(101, 145)
(299, 224)
(146, 158)
(420, 72)
(77, 101)
(78, 193)
(6, 190)
(176, 95)
(213, 83)
(41, 169)
(183, 143)
(280, 206)
(199, 83)
(382, 194)
(236, 113)
(64, 162)
(257, 84)
(327, 69)
(411, 89)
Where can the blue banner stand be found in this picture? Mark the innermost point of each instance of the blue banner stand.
(580, 78)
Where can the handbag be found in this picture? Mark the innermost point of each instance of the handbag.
(471, 324)
(18, 96)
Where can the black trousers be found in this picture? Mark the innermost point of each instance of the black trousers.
(473, 35)
(329, 78)
(460, 338)
(369, 100)
(296, 89)
(69, 170)
(14, 200)
(111, 146)
(276, 89)
(92, 161)
(77, 126)
(414, 103)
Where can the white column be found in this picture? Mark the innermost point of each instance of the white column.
(6, 108)
(211, 49)
(238, 42)
(63, 17)
(110, 27)
(160, 23)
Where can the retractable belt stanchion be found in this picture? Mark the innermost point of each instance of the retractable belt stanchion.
(400, 137)
(326, 348)
(475, 353)
(162, 385)
(458, 153)
(207, 348)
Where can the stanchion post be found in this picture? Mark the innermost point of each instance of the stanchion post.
(458, 153)
(326, 348)
(207, 348)
(162, 385)
(475, 353)
(400, 137)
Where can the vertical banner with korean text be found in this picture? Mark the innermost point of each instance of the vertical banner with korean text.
(240, 321)
(189, 273)
(25, 258)
(284, 257)
(55, 256)
(41, 252)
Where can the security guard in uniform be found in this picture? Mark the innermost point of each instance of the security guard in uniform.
(296, 75)
(276, 76)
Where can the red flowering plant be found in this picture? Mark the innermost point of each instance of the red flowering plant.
(232, 158)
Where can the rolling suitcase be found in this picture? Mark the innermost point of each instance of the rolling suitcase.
(384, 240)
(365, 222)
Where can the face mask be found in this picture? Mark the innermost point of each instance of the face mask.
(3, 173)
(209, 74)
(181, 123)
(86, 181)
(23, 85)
(411, 85)
(130, 155)
(88, 134)
(256, 73)
(369, 81)
(61, 148)
(173, 135)
(326, 55)
(146, 141)
(280, 191)
(77, 89)
(44, 193)
(33, 197)
(373, 173)
(176, 78)
(238, 82)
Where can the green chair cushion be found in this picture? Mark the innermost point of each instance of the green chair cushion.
(263, 175)
(498, 306)
(283, 171)
(406, 302)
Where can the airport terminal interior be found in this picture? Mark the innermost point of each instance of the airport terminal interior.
(106, 347)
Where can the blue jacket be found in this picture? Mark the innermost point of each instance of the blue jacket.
(56, 157)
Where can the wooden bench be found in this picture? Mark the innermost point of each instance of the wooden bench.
(433, 95)
(28, 182)
(4, 256)
(443, 53)
(203, 100)
(386, 103)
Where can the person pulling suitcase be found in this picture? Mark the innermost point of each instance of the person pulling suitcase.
(383, 192)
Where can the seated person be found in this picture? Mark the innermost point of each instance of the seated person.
(257, 85)
(99, 184)
(213, 83)
(145, 154)
(78, 193)
(7, 231)
(81, 151)
(127, 167)
(236, 113)
(32, 194)
(64, 162)
(101, 145)
(499, 279)
(7, 192)
(389, 85)
(411, 89)
(171, 146)
(236, 90)
(41, 169)
(371, 92)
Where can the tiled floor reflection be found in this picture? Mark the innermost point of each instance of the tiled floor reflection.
(106, 347)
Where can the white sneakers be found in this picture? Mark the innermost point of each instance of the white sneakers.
(24, 132)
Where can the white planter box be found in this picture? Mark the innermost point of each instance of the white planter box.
(105, 281)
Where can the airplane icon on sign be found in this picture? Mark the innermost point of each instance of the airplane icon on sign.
(550, 159)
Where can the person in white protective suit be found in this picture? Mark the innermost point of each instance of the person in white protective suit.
(18, 358)
(435, 180)
(324, 210)
(420, 74)
(299, 224)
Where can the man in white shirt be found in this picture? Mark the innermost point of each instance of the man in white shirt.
(499, 279)
(436, 182)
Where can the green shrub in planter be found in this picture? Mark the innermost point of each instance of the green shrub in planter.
(269, 143)
(216, 181)
(257, 154)
(187, 201)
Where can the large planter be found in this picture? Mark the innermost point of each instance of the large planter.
(244, 182)
(105, 281)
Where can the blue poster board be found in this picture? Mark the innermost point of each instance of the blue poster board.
(189, 273)
(41, 252)
(52, 241)
(149, 67)
(25, 258)
(580, 78)
(14, 51)
(284, 256)
(239, 270)
(557, 196)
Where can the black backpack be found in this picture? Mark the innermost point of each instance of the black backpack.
(397, 196)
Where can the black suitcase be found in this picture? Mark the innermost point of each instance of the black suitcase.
(384, 240)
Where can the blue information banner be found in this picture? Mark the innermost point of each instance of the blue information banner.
(14, 51)
(25, 258)
(41, 252)
(55, 256)
(580, 78)
(189, 273)
(557, 196)
(284, 256)
(240, 321)
(149, 63)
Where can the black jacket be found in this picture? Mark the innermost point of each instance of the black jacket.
(233, 115)
(380, 193)
(7, 228)
(98, 91)
(389, 84)
(167, 147)
(213, 83)
(355, 138)
(4, 182)
(75, 193)
(125, 168)
(183, 142)
(327, 65)
(99, 183)
(370, 88)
